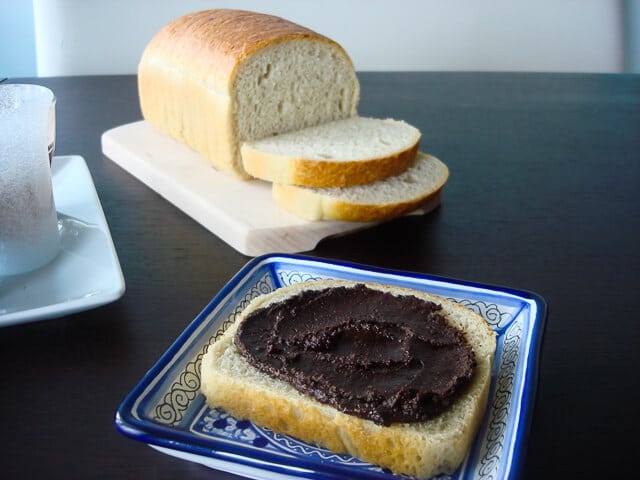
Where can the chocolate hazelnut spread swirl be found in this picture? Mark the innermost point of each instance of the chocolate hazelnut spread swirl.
(368, 353)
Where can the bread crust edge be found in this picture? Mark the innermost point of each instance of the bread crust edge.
(314, 205)
(310, 172)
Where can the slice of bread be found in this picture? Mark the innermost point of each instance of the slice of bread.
(342, 153)
(418, 186)
(422, 449)
(216, 78)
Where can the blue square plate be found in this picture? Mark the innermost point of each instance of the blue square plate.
(167, 411)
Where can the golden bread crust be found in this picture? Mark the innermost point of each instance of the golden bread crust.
(313, 204)
(324, 173)
(211, 44)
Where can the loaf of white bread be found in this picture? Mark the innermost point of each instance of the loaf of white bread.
(262, 97)
(217, 78)
(423, 449)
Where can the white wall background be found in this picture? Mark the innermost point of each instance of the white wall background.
(108, 36)
(631, 28)
(17, 44)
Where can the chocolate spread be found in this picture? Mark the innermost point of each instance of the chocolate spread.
(368, 353)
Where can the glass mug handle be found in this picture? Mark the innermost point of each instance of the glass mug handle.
(51, 129)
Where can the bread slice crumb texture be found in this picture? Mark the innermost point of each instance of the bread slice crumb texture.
(357, 138)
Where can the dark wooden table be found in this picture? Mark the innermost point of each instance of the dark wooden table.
(544, 195)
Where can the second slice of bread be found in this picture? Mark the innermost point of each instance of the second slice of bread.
(418, 186)
(422, 449)
(342, 153)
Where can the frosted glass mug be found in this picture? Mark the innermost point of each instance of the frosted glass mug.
(29, 236)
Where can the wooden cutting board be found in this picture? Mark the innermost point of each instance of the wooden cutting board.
(241, 213)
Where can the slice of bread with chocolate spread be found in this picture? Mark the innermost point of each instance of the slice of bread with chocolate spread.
(422, 372)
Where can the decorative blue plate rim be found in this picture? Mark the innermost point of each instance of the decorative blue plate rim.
(166, 410)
